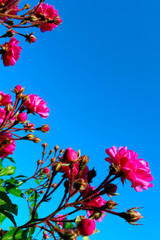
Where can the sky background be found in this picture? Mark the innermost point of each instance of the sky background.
(99, 73)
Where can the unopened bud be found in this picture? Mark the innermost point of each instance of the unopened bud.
(10, 22)
(36, 140)
(25, 98)
(56, 148)
(80, 184)
(27, 6)
(10, 33)
(33, 18)
(30, 38)
(51, 151)
(57, 20)
(131, 216)
(30, 137)
(110, 204)
(41, 192)
(53, 160)
(54, 185)
(8, 108)
(39, 161)
(45, 170)
(18, 89)
(45, 128)
(44, 145)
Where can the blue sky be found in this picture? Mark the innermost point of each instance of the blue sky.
(99, 73)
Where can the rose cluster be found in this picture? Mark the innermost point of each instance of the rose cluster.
(95, 201)
(43, 16)
(13, 114)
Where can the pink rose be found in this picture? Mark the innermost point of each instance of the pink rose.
(70, 155)
(5, 99)
(47, 12)
(37, 105)
(86, 227)
(7, 145)
(22, 117)
(136, 170)
(11, 52)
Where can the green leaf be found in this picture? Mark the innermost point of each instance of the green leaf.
(29, 191)
(37, 181)
(2, 189)
(9, 208)
(10, 216)
(2, 218)
(4, 198)
(31, 231)
(11, 159)
(68, 225)
(16, 192)
(8, 171)
(16, 234)
(20, 176)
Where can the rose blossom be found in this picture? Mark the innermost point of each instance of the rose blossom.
(13, 11)
(136, 170)
(86, 227)
(11, 52)
(48, 12)
(37, 105)
(5, 99)
(6, 148)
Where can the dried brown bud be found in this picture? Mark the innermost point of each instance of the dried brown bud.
(36, 140)
(56, 148)
(110, 204)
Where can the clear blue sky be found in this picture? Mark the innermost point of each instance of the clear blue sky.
(100, 74)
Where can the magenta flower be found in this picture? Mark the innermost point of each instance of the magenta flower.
(36, 104)
(7, 145)
(86, 227)
(5, 99)
(11, 52)
(60, 217)
(47, 12)
(22, 117)
(70, 155)
(136, 170)
(45, 170)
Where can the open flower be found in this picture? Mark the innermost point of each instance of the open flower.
(11, 52)
(5, 99)
(136, 170)
(36, 104)
(48, 12)
(7, 145)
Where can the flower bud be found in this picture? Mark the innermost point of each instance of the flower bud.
(131, 216)
(22, 117)
(18, 89)
(56, 148)
(53, 159)
(96, 215)
(41, 192)
(110, 204)
(70, 155)
(27, 6)
(30, 137)
(39, 161)
(45, 170)
(54, 185)
(25, 98)
(80, 184)
(33, 18)
(44, 145)
(86, 227)
(8, 108)
(111, 189)
(36, 140)
(45, 128)
(57, 20)
(10, 33)
(30, 38)
(45, 235)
